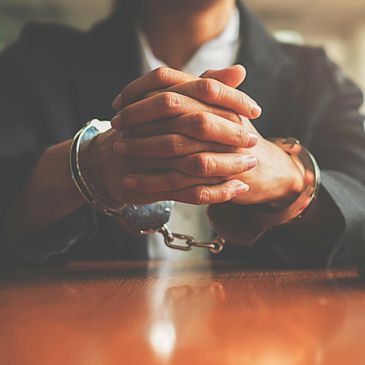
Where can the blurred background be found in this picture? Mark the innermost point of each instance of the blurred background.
(337, 25)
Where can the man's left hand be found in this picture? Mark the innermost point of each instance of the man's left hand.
(276, 177)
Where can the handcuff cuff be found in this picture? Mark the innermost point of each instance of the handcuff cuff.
(153, 218)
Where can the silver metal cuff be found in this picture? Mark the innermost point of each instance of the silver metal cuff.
(79, 168)
(137, 219)
(312, 176)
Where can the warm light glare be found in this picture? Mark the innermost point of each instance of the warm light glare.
(162, 337)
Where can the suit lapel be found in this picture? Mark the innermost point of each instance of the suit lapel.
(269, 72)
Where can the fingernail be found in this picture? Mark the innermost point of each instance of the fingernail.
(116, 121)
(117, 102)
(252, 140)
(240, 187)
(129, 182)
(255, 111)
(205, 72)
(120, 147)
(251, 162)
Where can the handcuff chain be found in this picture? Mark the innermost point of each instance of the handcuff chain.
(215, 246)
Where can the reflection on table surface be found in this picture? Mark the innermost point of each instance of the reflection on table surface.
(181, 313)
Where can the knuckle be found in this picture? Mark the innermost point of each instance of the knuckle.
(167, 101)
(160, 74)
(201, 165)
(174, 145)
(201, 196)
(210, 88)
(241, 136)
(203, 123)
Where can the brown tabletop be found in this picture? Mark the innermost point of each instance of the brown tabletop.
(181, 313)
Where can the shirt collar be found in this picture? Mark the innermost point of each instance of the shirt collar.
(218, 53)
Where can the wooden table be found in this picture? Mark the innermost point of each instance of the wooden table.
(181, 313)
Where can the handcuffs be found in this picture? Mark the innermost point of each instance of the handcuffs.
(151, 218)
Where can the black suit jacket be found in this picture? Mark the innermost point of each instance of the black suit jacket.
(54, 79)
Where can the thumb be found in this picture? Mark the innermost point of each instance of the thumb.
(231, 76)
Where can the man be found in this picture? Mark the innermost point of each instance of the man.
(185, 138)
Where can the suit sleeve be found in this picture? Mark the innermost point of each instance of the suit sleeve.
(332, 230)
(23, 138)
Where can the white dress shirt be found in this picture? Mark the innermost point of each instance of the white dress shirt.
(218, 53)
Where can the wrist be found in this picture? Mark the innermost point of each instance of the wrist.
(303, 181)
(295, 181)
(100, 156)
(52, 175)
(245, 224)
(289, 183)
(82, 165)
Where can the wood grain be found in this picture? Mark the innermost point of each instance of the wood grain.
(181, 313)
